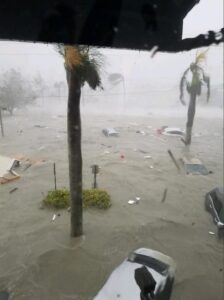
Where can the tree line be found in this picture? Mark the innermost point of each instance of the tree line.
(18, 90)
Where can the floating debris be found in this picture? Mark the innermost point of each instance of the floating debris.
(136, 201)
(173, 160)
(170, 131)
(164, 195)
(141, 132)
(106, 152)
(143, 151)
(27, 167)
(110, 132)
(131, 201)
(211, 232)
(122, 156)
(173, 131)
(40, 126)
(7, 166)
(194, 166)
(13, 190)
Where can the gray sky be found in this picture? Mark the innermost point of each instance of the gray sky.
(207, 15)
(138, 68)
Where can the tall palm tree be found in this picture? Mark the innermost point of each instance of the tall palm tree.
(194, 89)
(82, 65)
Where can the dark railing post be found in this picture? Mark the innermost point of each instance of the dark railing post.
(95, 171)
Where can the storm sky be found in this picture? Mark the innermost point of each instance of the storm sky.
(138, 68)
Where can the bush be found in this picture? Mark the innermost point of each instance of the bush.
(91, 198)
(57, 199)
(96, 198)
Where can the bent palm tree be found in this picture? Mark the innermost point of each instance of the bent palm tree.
(194, 89)
(81, 65)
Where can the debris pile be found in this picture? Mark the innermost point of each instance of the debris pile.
(7, 169)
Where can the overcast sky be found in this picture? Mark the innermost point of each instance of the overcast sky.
(138, 68)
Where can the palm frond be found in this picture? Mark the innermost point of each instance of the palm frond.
(182, 84)
(89, 72)
(206, 79)
(89, 69)
(86, 61)
(201, 56)
(60, 49)
(93, 78)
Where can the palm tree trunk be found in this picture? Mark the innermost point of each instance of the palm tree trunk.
(74, 152)
(190, 117)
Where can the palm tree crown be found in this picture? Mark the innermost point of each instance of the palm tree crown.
(198, 78)
(85, 61)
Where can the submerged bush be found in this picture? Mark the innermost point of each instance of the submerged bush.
(91, 198)
(57, 199)
(96, 198)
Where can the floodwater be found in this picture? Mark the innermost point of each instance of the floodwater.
(38, 259)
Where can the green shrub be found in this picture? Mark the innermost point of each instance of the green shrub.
(91, 198)
(96, 198)
(57, 199)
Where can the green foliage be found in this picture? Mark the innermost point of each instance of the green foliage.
(89, 68)
(15, 90)
(96, 198)
(198, 78)
(91, 198)
(57, 199)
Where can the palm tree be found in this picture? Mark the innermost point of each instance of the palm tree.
(194, 89)
(82, 65)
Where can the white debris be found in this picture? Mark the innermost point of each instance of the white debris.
(137, 199)
(211, 232)
(131, 201)
(173, 131)
(106, 152)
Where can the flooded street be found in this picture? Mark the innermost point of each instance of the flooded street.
(38, 259)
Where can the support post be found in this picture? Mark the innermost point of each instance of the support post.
(55, 179)
(95, 171)
(1, 122)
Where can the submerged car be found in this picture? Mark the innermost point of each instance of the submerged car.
(110, 132)
(145, 275)
(214, 203)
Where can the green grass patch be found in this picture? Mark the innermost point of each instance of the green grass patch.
(91, 198)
